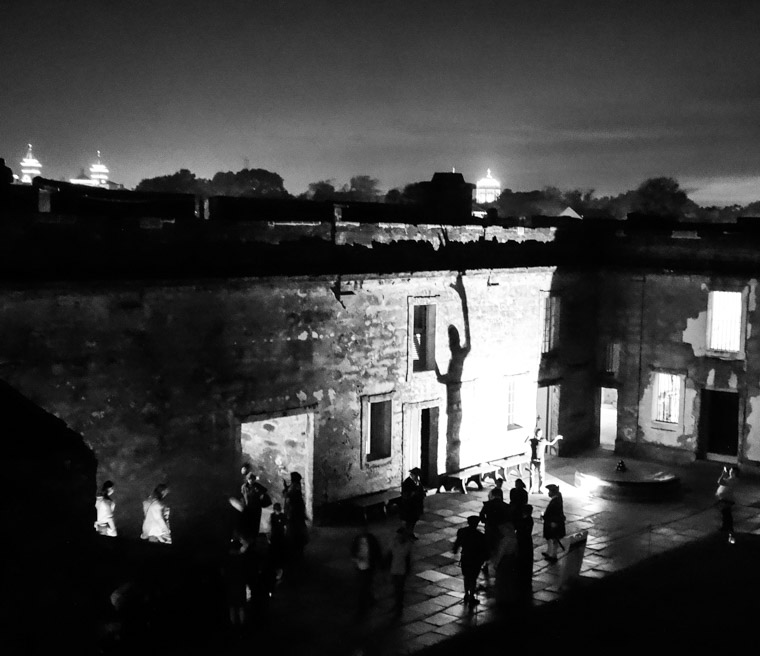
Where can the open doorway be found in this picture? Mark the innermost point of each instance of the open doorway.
(547, 412)
(719, 425)
(608, 418)
(421, 444)
(276, 446)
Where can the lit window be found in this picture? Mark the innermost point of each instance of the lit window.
(551, 323)
(423, 338)
(667, 398)
(724, 331)
(612, 358)
(377, 426)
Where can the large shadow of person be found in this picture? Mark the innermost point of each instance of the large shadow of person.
(453, 380)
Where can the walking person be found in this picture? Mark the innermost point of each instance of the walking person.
(156, 526)
(366, 556)
(400, 557)
(538, 446)
(725, 497)
(554, 523)
(295, 517)
(255, 498)
(524, 565)
(105, 507)
(494, 514)
(474, 553)
(412, 500)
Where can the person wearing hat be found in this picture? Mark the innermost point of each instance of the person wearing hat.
(412, 500)
(554, 523)
(474, 553)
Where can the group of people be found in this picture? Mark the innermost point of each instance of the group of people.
(155, 527)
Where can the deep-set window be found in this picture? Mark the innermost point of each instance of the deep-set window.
(551, 311)
(724, 321)
(377, 426)
(423, 338)
(612, 357)
(667, 398)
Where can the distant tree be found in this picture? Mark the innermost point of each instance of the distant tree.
(181, 182)
(661, 197)
(394, 196)
(364, 188)
(323, 190)
(252, 183)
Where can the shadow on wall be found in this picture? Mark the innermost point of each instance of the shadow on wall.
(453, 381)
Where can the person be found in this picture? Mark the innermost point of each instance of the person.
(155, 526)
(295, 516)
(524, 564)
(494, 514)
(554, 523)
(518, 498)
(6, 175)
(104, 507)
(400, 557)
(538, 446)
(255, 497)
(498, 486)
(275, 557)
(504, 563)
(474, 553)
(366, 556)
(725, 497)
(412, 500)
(234, 575)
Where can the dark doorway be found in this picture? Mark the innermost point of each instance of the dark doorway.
(719, 425)
(429, 445)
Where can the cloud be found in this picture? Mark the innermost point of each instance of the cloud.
(728, 190)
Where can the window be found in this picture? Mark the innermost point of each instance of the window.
(667, 398)
(612, 358)
(551, 311)
(724, 322)
(423, 338)
(512, 402)
(377, 427)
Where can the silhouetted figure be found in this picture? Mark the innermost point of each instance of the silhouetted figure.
(494, 514)
(400, 557)
(6, 175)
(725, 496)
(366, 556)
(518, 497)
(499, 486)
(235, 576)
(538, 446)
(523, 521)
(295, 517)
(274, 562)
(254, 498)
(453, 381)
(474, 553)
(104, 509)
(554, 523)
(412, 500)
(504, 563)
(155, 526)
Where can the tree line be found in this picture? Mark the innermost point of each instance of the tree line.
(660, 196)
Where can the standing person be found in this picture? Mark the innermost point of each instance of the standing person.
(255, 497)
(365, 553)
(518, 498)
(554, 523)
(275, 557)
(6, 175)
(155, 526)
(474, 553)
(412, 500)
(725, 496)
(104, 507)
(498, 486)
(401, 564)
(295, 516)
(504, 563)
(538, 446)
(524, 532)
(494, 514)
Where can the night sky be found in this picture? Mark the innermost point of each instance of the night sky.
(574, 94)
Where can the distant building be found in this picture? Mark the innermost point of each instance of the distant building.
(30, 167)
(98, 177)
(487, 189)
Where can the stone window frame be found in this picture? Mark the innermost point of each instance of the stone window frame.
(610, 357)
(430, 350)
(659, 423)
(720, 353)
(516, 389)
(367, 400)
(551, 311)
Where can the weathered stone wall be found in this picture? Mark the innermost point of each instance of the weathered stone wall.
(660, 320)
(159, 377)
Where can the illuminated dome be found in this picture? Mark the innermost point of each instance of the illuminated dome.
(30, 167)
(487, 189)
